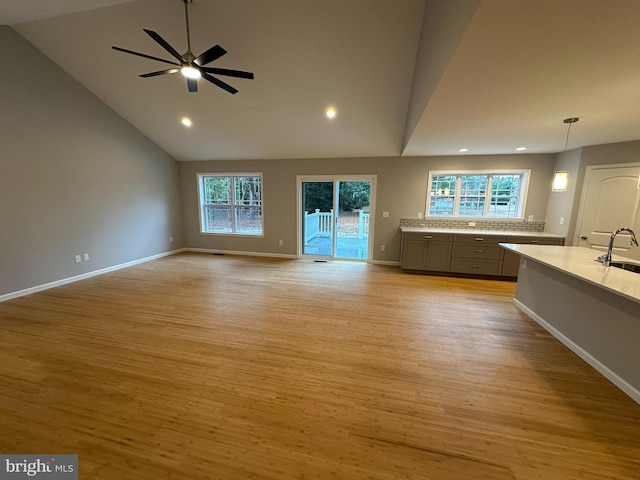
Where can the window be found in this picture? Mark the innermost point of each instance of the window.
(477, 194)
(230, 203)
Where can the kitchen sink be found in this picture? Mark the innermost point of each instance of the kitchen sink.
(632, 267)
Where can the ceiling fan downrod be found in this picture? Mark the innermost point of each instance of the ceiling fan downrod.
(189, 55)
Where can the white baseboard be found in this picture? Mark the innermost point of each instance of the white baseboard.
(76, 278)
(385, 262)
(237, 252)
(582, 353)
(272, 255)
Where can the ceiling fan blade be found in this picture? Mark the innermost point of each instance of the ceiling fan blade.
(161, 72)
(230, 73)
(144, 55)
(219, 83)
(210, 55)
(164, 44)
(192, 85)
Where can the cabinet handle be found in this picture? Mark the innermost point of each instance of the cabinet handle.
(479, 239)
(535, 241)
(475, 266)
(428, 237)
(477, 251)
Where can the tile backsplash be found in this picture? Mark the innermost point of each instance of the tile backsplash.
(480, 224)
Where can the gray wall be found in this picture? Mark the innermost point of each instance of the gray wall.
(401, 191)
(567, 204)
(443, 25)
(75, 177)
(560, 204)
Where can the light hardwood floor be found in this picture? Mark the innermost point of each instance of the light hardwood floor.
(199, 366)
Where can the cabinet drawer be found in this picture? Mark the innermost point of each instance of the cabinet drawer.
(535, 240)
(482, 252)
(478, 267)
(434, 237)
(479, 239)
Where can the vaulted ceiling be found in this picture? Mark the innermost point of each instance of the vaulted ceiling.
(407, 77)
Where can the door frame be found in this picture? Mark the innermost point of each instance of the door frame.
(373, 179)
(583, 195)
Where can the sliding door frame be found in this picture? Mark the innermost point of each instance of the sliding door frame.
(300, 179)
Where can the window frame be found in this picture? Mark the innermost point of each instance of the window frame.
(524, 174)
(232, 205)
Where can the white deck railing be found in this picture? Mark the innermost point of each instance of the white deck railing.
(363, 224)
(317, 224)
(320, 224)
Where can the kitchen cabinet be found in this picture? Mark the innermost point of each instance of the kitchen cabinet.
(477, 254)
(426, 251)
(511, 262)
(468, 252)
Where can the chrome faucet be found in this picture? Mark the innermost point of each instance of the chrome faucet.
(605, 258)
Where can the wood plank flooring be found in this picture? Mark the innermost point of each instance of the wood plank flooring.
(199, 366)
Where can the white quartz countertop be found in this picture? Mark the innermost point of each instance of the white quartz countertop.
(462, 231)
(580, 262)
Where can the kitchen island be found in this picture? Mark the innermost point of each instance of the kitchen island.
(594, 310)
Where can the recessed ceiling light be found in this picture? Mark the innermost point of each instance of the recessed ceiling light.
(186, 122)
(520, 149)
(462, 150)
(331, 112)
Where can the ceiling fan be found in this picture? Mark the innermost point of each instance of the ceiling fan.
(190, 66)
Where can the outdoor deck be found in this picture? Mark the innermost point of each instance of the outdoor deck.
(345, 247)
(352, 236)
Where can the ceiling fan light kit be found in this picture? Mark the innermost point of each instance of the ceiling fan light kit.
(189, 65)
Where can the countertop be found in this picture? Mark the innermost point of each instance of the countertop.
(580, 262)
(464, 231)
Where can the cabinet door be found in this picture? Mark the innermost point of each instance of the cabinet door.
(510, 264)
(413, 250)
(438, 256)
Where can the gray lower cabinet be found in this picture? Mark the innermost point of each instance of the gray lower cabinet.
(511, 262)
(426, 251)
(477, 254)
(465, 253)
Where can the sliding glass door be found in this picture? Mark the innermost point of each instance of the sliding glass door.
(335, 217)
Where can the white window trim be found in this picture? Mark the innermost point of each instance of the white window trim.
(526, 175)
(200, 199)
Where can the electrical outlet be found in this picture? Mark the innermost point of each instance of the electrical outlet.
(78, 258)
(86, 257)
(385, 214)
(531, 218)
(170, 239)
(382, 247)
(280, 242)
(524, 263)
(561, 220)
(419, 214)
(472, 224)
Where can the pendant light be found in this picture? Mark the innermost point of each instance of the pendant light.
(561, 178)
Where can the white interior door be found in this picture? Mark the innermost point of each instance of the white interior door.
(611, 200)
